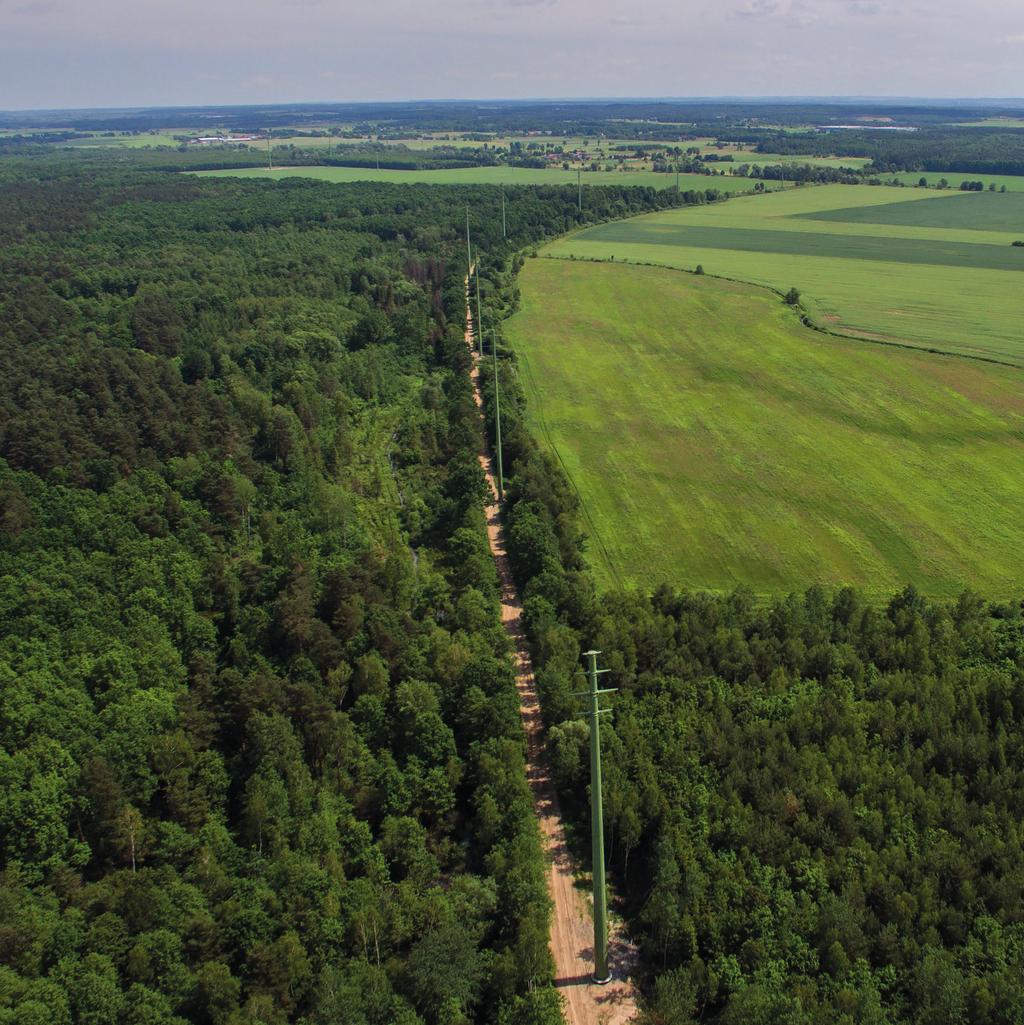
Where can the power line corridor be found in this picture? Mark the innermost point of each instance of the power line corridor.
(572, 929)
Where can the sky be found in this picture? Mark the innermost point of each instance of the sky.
(84, 53)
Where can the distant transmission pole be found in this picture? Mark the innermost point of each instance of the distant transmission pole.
(497, 418)
(479, 321)
(594, 712)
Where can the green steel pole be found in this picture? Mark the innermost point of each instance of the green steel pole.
(579, 186)
(601, 974)
(504, 234)
(479, 322)
(497, 419)
(469, 252)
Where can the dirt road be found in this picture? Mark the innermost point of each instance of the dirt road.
(572, 928)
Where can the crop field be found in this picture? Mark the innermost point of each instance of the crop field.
(985, 211)
(716, 441)
(905, 266)
(497, 175)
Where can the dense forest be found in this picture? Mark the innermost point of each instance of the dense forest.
(938, 148)
(260, 755)
(183, 157)
(813, 806)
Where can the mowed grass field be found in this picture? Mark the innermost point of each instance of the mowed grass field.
(143, 141)
(717, 441)
(910, 266)
(498, 175)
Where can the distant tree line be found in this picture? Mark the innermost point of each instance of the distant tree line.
(945, 148)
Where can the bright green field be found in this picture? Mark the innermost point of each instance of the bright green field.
(499, 175)
(1013, 183)
(928, 279)
(716, 441)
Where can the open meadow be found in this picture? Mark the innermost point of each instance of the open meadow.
(496, 175)
(1011, 182)
(716, 441)
(910, 266)
(766, 159)
(994, 122)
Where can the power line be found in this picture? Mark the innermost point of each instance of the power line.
(497, 418)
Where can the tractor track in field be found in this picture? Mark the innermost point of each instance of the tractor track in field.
(572, 927)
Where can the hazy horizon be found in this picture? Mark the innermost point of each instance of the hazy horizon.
(55, 55)
(880, 98)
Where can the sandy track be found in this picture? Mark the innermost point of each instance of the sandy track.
(572, 928)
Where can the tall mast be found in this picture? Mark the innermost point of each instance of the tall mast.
(594, 712)
(497, 418)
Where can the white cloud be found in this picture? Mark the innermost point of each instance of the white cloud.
(865, 7)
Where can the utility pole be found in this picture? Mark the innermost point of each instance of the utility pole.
(479, 321)
(579, 186)
(503, 232)
(497, 418)
(677, 181)
(601, 974)
(270, 156)
(469, 252)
